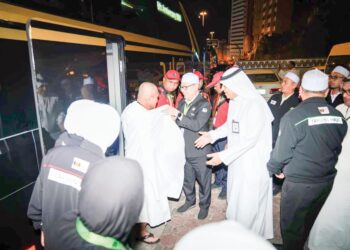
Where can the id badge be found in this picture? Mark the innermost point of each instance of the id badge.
(235, 127)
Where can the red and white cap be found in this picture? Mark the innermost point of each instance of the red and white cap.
(172, 75)
(216, 79)
(199, 74)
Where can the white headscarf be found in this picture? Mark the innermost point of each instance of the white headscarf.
(222, 235)
(96, 122)
(236, 80)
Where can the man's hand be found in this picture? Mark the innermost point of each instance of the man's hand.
(203, 140)
(215, 159)
(173, 112)
(280, 176)
(42, 239)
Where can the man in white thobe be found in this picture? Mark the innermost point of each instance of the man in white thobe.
(154, 140)
(331, 229)
(249, 133)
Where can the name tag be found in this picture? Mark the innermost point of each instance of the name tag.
(64, 178)
(273, 102)
(324, 120)
(235, 127)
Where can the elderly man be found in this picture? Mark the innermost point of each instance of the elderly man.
(152, 138)
(280, 104)
(332, 228)
(167, 92)
(306, 152)
(336, 79)
(248, 132)
(193, 117)
(91, 127)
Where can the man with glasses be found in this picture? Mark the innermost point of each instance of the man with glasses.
(336, 78)
(193, 116)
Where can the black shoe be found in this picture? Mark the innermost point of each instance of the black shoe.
(214, 186)
(222, 195)
(203, 213)
(185, 207)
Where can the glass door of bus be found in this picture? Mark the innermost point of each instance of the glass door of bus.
(69, 63)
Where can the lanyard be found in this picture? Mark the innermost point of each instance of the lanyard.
(98, 240)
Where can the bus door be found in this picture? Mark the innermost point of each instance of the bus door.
(67, 64)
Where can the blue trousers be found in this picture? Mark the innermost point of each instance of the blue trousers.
(221, 170)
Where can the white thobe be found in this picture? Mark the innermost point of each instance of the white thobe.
(154, 140)
(331, 229)
(249, 187)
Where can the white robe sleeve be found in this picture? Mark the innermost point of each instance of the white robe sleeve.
(220, 132)
(254, 120)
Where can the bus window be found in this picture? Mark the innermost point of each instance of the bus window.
(20, 153)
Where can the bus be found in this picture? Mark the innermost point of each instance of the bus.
(55, 59)
(339, 55)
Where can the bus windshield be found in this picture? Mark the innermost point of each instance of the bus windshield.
(337, 60)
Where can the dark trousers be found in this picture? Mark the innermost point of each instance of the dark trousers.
(221, 170)
(300, 205)
(196, 169)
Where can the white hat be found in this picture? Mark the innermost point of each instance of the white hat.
(96, 122)
(292, 76)
(88, 81)
(190, 78)
(341, 70)
(315, 80)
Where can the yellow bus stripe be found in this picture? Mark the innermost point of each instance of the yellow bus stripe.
(57, 36)
(21, 15)
(154, 50)
(13, 34)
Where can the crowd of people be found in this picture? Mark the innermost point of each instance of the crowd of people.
(176, 136)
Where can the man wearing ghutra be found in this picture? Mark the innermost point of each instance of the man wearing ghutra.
(248, 130)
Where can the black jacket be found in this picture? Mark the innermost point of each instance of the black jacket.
(57, 186)
(279, 111)
(338, 100)
(196, 119)
(309, 142)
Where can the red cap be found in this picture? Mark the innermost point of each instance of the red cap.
(199, 74)
(216, 79)
(172, 75)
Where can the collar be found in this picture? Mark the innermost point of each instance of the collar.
(96, 239)
(189, 102)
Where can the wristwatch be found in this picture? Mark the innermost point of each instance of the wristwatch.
(179, 116)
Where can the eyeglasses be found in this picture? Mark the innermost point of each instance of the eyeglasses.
(335, 77)
(186, 87)
(347, 91)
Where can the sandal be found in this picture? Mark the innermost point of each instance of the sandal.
(147, 236)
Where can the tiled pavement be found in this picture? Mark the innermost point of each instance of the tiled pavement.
(180, 224)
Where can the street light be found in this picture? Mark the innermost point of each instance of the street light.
(211, 34)
(202, 15)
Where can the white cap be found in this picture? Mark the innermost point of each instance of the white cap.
(190, 78)
(315, 80)
(88, 81)
(292, 76)
(341, 70)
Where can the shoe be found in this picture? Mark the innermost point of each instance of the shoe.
(214, 186)
(185, 207)
(146, 239)
(222, 195)
(203, 213)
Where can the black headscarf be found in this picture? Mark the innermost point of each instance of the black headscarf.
(110, 203)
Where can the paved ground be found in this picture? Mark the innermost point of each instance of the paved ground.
(180, 224)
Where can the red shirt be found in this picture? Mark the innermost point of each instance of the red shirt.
(163, 98)
(220, 110)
